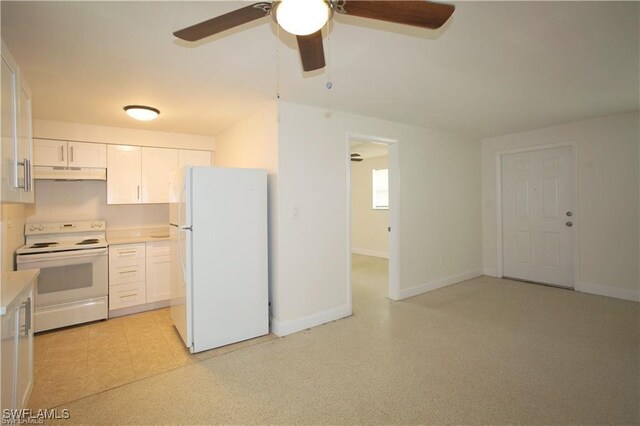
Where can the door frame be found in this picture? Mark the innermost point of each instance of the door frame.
(393, 147)
(576, 218)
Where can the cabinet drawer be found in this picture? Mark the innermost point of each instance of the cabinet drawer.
(126, 251)
(158, 248)
(126, 271)
(126, 295)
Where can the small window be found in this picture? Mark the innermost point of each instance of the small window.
(380, 181)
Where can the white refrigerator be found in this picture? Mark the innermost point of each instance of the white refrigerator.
(219, 275)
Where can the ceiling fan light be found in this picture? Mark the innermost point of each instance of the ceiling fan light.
(141, 112)
(302, 17)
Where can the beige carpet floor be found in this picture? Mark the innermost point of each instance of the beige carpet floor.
(485, 351)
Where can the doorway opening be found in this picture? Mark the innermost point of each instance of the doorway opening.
(373, 217)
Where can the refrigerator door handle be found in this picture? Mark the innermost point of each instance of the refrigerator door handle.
(181, 256)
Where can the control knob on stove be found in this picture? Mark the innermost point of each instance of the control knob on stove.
(40, 227)
(32, 228)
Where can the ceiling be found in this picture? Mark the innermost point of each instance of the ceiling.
(494, 68)
(368, 150)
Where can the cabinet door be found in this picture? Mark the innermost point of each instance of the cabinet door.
(9, 364)
(24, 378)
(194, 158)
(123, 174)
(158, 271)
(9, 111)
(25, 142)
(49, 153)
(157, 164)
(82, 154)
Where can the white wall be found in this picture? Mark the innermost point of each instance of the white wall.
(440, 211)
(369, 235)
(47, 129)
(608, 199)
(253, 143)
(12, 232)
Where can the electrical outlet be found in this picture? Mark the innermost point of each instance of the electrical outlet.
(296, 212)
(442, 260)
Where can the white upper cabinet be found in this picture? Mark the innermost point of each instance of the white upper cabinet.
(17, 141)
(138, 175)
(157, 164)
(124, 174)
(194, 158)
(82, 154)
(49, 153)
(9, 127)
(25, 142)
(72, 154)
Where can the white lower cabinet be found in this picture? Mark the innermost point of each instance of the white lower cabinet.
(126, 295)
(17, 351)
(158, 274)
(138, 274)
(127, 285)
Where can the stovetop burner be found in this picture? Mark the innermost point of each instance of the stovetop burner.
(88, 241)
(42, 245)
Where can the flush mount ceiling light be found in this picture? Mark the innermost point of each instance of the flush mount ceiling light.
(141, 112)
(302, 17)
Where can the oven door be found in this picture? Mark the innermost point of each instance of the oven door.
(68, 276)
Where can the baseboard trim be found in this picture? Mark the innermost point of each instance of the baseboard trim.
(282, 328)
(139, 308)
(601, 290)
(490, 272)
(367, 252)
(434, 285)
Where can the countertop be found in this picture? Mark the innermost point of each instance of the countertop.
(137, 235)
(13, 283)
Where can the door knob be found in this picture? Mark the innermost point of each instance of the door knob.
(569, 224)
(569, 214)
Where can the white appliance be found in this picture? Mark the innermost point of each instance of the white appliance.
(219, 282)
(73, 284)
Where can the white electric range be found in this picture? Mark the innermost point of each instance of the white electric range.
(73, 285)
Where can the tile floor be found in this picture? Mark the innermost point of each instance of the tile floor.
(483, 351)
(79, 361)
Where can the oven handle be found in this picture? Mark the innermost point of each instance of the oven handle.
(77, 254)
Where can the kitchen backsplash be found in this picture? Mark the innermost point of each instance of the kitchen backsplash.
(86, 200)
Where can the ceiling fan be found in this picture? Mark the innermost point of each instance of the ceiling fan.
(305, 19)
(356, 157)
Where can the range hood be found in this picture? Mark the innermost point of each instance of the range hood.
(69, 173)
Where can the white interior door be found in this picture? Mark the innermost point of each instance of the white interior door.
(538, 216)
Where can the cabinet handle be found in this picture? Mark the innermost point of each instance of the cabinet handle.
(129, 295)
(71, 155)
(26, 163)
(27, 316)
(138, 192)
(128, 251)
(128, 272)
(62, 151)
(29, 177)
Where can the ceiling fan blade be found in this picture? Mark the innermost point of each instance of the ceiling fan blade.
(356, 159)
(355, 154)
(224, 22)
(311, 51)
(417, 13)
